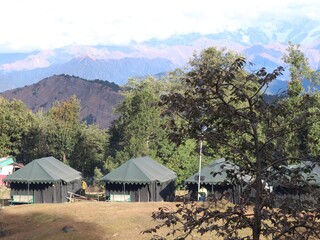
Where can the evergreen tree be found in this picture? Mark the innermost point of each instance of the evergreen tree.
(142, 129)
(89, 150)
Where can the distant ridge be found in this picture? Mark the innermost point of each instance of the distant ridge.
(98, 98)
(115, 70)
(262, 45)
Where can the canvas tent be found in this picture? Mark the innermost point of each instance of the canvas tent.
(140, 180)
(216, 180)
(297, 184)
(47, 180)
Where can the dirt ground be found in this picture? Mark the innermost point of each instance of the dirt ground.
(78, 220)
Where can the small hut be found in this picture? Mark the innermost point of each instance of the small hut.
(44, 180)
(140, 180)
(216, 179)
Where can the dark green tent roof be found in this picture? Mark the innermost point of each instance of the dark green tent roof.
(214, 173)
(44, 170)
(312, 177)
(140, 170)
(316, 174)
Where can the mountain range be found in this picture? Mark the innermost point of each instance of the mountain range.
(264, 46)
(97, 98)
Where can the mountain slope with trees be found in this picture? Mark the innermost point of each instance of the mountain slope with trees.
(97, 98)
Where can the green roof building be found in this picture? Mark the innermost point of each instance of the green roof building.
(140, 180)
(47, 180)
(298, 184)
(216, 178)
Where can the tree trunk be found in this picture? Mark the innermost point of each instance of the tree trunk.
(256, 230)
(64, 158)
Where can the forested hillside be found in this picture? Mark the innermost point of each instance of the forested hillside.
(97, 98)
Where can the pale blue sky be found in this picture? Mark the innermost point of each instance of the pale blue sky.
(43, 24)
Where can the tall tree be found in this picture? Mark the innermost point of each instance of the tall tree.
(299, 69)
(306, 141)
(142, 128)
(139, 120)
(15, 122)
(35, 143)
(65, 120)
(89, 150)
(228, 102)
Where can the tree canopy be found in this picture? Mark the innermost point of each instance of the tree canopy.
(142, 128)
(226, 100)
(15, 122)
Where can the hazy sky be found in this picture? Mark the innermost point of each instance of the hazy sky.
(43, 24)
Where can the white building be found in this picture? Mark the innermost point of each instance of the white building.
(8, 165)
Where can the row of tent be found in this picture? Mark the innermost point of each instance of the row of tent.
(49, 180)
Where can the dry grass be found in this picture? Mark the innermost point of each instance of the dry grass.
(4, 192)
(89, 220)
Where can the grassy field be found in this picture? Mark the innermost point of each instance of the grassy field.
(80, 220)
(86, 220)
(83, 220)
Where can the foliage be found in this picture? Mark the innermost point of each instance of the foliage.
(298, 64)
(35, 143)
(138, 123)
(65, 119)
(183, 160)
(111, 85)
(142, 129)
(59, 133)
(15, 120)
(230, 222)
(89, 150)
(96, 178)
(299, 69)
(305, 141)
(224, 105)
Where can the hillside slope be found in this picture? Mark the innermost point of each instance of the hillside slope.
(97, 99)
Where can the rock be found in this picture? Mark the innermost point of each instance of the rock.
(68, 229)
